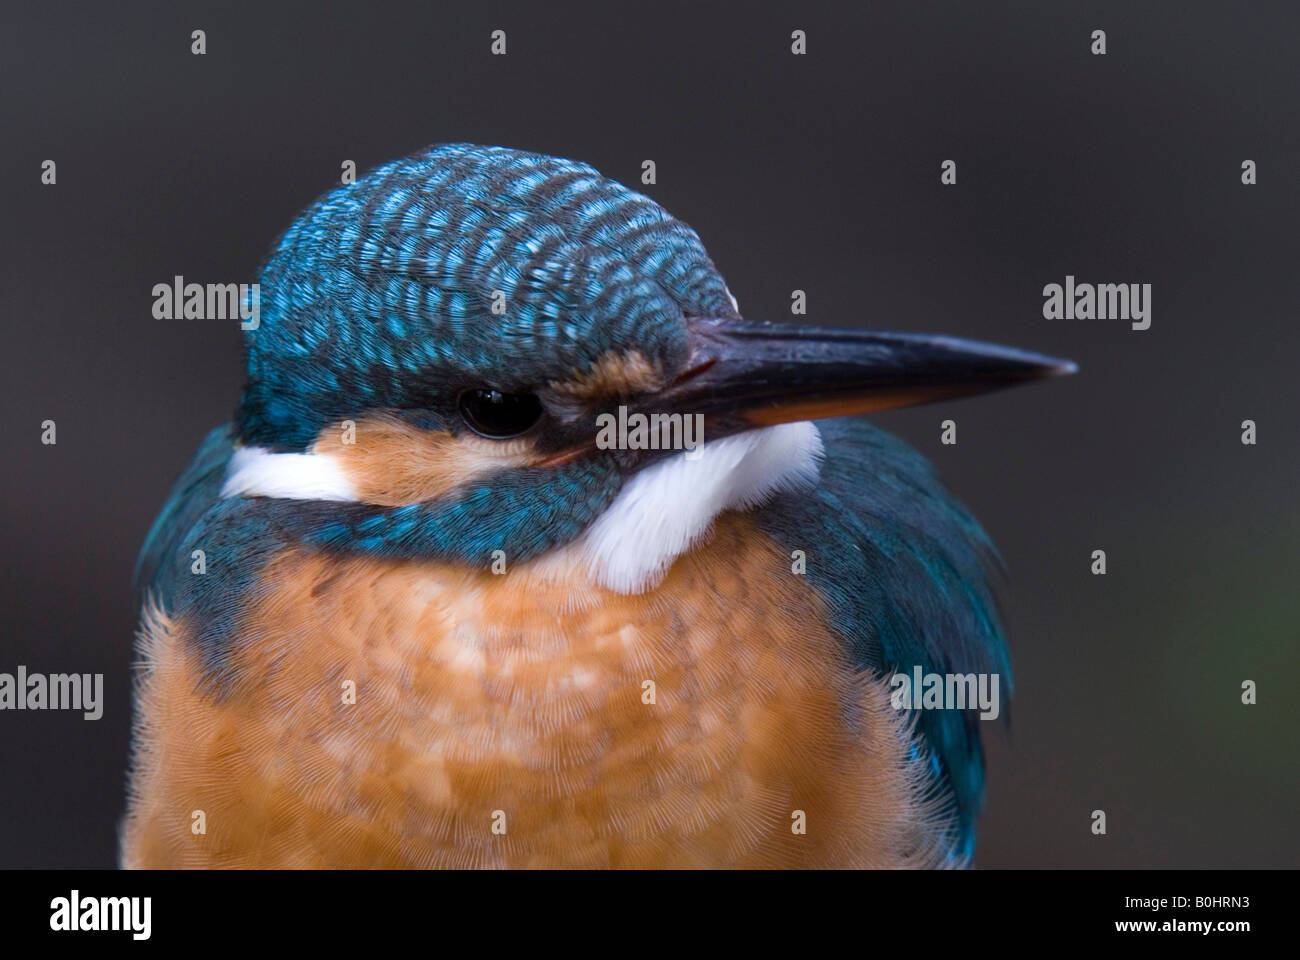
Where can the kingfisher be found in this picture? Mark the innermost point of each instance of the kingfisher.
(411, 608)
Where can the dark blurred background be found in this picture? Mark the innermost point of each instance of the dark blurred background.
(817, 172)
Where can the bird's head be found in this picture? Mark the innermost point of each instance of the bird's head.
(453, 353)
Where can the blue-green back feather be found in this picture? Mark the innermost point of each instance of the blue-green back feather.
(197, 489)
(906, 574)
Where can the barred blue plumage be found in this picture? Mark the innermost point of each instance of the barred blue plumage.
(385, 287)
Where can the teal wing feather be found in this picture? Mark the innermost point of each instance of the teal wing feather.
(194, 493)
(909, 579)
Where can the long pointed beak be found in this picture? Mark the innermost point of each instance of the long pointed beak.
(745, 375)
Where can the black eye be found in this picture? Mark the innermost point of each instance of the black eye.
(497, 415)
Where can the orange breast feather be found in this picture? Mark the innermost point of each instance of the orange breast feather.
(408, 714)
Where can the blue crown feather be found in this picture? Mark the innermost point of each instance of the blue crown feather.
(381, 294)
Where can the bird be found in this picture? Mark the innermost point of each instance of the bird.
(407, 610)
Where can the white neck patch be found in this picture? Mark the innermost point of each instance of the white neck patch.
(659, 513)
(665, 508)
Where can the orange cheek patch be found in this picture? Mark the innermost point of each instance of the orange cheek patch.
(392, 463)
(613, 375)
